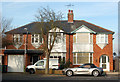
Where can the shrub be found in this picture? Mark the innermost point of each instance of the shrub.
(65, 65)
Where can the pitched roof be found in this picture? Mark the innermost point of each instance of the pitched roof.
(64, 25)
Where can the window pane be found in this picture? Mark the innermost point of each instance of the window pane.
(102, 38)
(32, 40)
(36, 35)
(97, 38)
(90, 57)
(64, 37)
(74, 58)
(55, 56)
(58, 37)
(21, 38)
(74, 39)
(33, 36)
(36, 40)
(83, 37)
(79, 58)
(17, 40)
(51, 56)
(82, 58)
(106, 38)
(104, 66)
(91, 38)
(103, 59)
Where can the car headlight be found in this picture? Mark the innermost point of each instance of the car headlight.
(64, 70)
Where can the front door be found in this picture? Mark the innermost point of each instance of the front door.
(34, 59)
(104, 62)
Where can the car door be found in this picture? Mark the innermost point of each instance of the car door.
(39, 65)
(83, 69)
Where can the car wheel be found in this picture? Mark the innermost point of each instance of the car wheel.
(69, 73)
(95, 73)
(31, 71)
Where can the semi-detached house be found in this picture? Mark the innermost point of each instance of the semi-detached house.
(78, 40)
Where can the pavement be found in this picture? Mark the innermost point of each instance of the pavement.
(112, 73)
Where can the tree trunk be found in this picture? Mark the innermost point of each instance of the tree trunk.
(47, 64)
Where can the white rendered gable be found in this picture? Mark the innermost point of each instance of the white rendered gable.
(56, 30)
(83, 29)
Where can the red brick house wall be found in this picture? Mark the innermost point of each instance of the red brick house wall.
(107, 50)
(71, 47)
(30, 46)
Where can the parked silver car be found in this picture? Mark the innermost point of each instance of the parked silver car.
(89, 69)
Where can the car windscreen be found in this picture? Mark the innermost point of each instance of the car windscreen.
(93, 66)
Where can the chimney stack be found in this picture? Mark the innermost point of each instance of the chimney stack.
(70, 16)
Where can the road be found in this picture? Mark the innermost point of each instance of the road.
(27, 76)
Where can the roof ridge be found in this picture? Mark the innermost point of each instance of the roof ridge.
(98, 26)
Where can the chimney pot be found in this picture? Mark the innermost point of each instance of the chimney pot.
(69, 11)
(70, 16)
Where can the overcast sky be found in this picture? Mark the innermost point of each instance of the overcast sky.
(104, 14)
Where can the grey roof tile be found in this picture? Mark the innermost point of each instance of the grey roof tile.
(64, 25)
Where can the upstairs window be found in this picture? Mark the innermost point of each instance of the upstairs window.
(101, 38)
(36, 38)
(17, 38)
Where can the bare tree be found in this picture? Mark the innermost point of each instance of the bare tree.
(5, 25)
(47, 20)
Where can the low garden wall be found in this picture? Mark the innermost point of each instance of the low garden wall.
(50, 71)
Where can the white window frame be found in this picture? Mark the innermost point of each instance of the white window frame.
(91, 35)
(89, 57)
(75, 35)
(35, 38)
(17, 35)
(98, 38)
